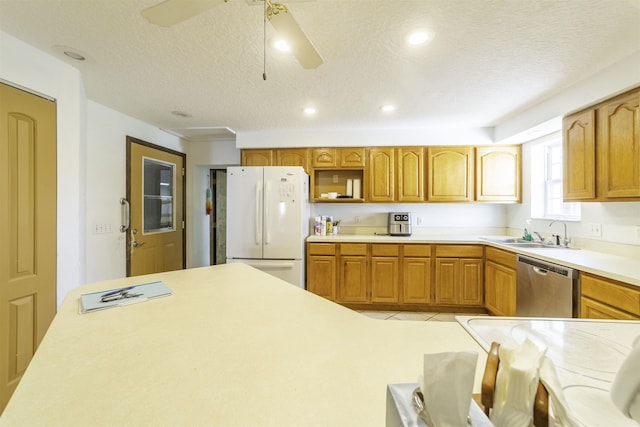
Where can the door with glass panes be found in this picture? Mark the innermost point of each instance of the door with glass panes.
(155, 190)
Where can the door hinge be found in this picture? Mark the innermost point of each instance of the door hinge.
(183, 225)
(182, 171)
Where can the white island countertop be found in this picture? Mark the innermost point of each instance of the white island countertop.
(231, 347)
(615, 267)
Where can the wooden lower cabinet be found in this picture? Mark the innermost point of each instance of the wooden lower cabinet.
(602, 298)
(416, 274)
(385, 273)
(459, 278)
(321, 269)
(500, 282)
(353, 275)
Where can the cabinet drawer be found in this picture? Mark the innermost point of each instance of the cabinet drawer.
(353, 249)
(508, 259)
(608, 292)
(459, 251)
(385, 250)
(417, 250)
(322, 249)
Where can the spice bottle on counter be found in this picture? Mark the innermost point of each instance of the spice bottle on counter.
(329, 225)
(318, 226)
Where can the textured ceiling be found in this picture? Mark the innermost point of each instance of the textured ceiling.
(489, 59)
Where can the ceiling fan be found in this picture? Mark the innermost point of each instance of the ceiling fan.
(171, 12)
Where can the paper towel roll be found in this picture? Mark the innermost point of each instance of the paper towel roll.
(349, 191)
(356, 188)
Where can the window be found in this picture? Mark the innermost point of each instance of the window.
(546, 183)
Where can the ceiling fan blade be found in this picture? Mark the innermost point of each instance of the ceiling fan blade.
(171, 12)
(287, 27)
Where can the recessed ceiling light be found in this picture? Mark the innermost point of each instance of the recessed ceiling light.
(310, 111)
(419, 37)
(281, 45)
(388, 108)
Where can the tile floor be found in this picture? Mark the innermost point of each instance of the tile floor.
(418, 316)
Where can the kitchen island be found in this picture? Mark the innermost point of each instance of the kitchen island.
(231, 347)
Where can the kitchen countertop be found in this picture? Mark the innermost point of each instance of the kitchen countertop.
(615, 267)
(232, 346)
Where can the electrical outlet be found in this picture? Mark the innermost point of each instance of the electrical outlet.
(418, 220)
(356, 219)
(638, 233)
(335, 179)
(595, 229)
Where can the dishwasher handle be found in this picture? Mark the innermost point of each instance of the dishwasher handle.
(540, 271)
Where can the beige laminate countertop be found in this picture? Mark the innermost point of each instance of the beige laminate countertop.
(231, 347)
(615, 267)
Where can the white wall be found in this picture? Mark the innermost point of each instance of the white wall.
(21, 64)
(201, 157)
(107, 131)
(618, 220)
(427, 218)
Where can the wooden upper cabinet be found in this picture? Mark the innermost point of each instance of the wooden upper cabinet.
(498, 174)
(450, 174)
(293, 157)
(352, 157)
(251, 157)
(619, 146)
(410, 174)
(381, 164)
(578, 153)
(324, 158)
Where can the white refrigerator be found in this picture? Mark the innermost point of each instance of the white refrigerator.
(268, 219)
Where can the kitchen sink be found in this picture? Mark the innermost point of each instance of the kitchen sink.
(521, 243)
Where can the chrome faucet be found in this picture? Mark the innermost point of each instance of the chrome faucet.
(539, 236)
(565, 240)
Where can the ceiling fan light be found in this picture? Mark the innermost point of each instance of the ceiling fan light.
(281, 45)
(387, 108)
(310, 111)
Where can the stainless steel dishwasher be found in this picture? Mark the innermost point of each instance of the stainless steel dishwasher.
(544, 289)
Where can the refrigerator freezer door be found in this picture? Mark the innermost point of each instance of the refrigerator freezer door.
(245, 213)
(286, 212)
(291, 271)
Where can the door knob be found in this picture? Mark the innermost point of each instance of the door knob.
(136, 244)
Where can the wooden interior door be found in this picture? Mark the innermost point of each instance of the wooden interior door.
(27, 230)
(155, 191)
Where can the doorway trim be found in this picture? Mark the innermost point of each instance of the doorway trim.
(132, 140)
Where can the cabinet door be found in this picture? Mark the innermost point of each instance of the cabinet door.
(381, 174)
(619, 146)
(324, 158)
(578, 156)
(293, 157)
(352, 157)
(416, 280)
(257, 158)
(321, 276)
(352, 283)
(447, 280)
(500, 289)
(498, 174)
(591, 309)
(410, 174)
(384, 279)
(471, 282)
(450, 174)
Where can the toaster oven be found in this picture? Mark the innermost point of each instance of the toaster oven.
(399, 224)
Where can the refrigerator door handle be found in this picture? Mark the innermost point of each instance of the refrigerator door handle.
(267, 212)
(258, 224)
